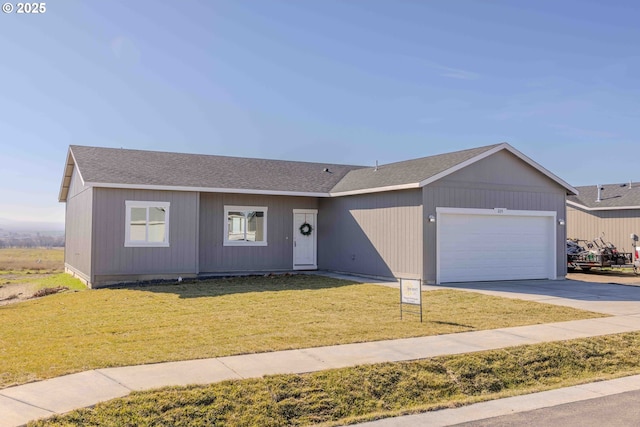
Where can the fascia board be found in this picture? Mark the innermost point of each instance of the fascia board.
(610, 208)
(376, 190)
(207, 189)
(65, 177)
(70, 163)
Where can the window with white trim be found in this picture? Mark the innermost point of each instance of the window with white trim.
(245, 226)
(147, 224)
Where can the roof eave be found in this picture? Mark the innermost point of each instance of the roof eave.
(375, 189)
(66, 177)
(606, 208)
(208, 189)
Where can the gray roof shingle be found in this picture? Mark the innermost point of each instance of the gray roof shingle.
(405, 172)
(146, 168)
(613, 196)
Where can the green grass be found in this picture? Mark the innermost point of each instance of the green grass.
(349, 395)
(60, 279)
(73, 332)
(45, 280)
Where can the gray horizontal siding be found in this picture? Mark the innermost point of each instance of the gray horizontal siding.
(277, 255)
(373, 234)
(499, 181)
(111, 258)
(78, 228)
(616, 225)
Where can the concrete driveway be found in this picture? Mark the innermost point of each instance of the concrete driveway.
(606, 276)
(613, 299)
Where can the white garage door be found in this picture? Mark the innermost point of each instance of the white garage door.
(495, 244)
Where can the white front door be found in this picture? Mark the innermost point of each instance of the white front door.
(304, 246)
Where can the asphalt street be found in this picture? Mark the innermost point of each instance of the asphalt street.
(620, 410)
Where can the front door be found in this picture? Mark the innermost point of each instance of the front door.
(305, 231)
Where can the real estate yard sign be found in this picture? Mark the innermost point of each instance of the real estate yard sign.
(411, 294)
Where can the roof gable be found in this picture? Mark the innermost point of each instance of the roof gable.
(421, 172)
(408, 172)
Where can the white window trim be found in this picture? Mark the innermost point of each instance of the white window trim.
(128, 243)
(227, 209)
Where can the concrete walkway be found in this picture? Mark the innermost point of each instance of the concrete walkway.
(22, 403)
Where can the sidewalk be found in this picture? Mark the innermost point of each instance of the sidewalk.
(21, 404)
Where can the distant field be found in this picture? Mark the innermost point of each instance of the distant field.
(25, 271)
(31, 259)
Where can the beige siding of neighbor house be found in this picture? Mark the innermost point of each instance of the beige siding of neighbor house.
(376, 234)
(78, 228)
(498, 181)
(276, 256)
(617, 225)
(113, 262)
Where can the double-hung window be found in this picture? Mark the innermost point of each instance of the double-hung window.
(147, 224)
(245, 226)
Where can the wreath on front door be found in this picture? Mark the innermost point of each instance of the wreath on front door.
(306, 229)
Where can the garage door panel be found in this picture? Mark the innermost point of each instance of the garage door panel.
(475, 247)
(487, 274)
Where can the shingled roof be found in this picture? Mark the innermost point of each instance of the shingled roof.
(123, 168)
(612, 197)
(407, 172)
(115, 167)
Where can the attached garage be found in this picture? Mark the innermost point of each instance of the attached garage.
(495, 244)
(500, 217)
(483, 214)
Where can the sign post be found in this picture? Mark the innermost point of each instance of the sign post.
(411, 294)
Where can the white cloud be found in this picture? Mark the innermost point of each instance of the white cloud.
(456, 73)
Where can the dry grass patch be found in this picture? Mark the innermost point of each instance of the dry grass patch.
(29, 272)
(73, 332)
(362, 393)
(31, 260)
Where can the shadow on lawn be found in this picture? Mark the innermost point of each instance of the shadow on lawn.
(439, 322)
(237, 285)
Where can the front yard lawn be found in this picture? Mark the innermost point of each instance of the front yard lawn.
(73, 332)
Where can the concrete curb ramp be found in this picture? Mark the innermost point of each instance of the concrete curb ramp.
(23, 403)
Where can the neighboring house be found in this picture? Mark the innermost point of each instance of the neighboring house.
(616, 213)
(488, 213)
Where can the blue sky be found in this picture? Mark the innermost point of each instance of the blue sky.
(350, 81)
